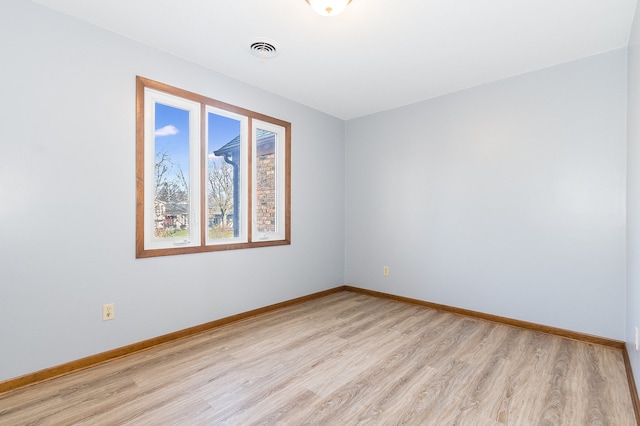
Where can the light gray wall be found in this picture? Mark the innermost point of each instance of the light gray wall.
(508, 198)
(67, 185)
(633, 197)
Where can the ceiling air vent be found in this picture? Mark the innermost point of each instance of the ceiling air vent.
(263, 48)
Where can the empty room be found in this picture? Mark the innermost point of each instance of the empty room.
(320, 212)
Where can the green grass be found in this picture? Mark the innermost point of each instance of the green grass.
(220, 232)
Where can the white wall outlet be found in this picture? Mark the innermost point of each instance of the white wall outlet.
(385, 270)
(108, 311)
(637, 339)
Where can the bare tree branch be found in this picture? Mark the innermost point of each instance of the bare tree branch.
(220, 179)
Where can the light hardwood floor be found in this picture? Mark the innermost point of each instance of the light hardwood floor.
(343, 359)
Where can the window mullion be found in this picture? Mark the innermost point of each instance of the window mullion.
(189, 150)
(250, 207)
(203, 179)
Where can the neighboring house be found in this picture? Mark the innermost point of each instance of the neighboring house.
(265, 208)
(171, 216)
(215, 218)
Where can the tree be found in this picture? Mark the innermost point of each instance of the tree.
(163, 165)
(169, 187)
(220, 179)
(171, 192)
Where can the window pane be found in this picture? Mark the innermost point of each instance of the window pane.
(209, 176)
(171, 173)
(223, 177)
(266, 207)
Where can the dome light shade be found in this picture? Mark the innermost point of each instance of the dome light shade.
(328, 7)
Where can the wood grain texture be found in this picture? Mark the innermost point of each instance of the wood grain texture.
(346, 358)
(90, 361)
(632, 385)
(582, 337)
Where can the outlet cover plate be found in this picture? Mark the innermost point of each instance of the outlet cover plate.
(108, 311)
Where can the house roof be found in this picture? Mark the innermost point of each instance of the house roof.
(171, 208)
(265, 144)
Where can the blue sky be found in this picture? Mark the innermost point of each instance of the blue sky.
(172, 134)
(221, 130)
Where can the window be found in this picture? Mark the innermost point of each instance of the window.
(210, 176)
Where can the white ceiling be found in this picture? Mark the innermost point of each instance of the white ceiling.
(376, 55)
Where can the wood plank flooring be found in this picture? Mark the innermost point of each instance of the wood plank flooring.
(343, 359)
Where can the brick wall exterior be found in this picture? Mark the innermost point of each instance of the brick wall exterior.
(266, 193)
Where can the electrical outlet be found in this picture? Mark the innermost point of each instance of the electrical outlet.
(637, 339)
(385, 270)
(108, 311)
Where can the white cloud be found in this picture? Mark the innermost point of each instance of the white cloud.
(167, 130)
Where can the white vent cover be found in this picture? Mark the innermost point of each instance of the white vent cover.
(264, 48)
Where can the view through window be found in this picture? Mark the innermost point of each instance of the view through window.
(210, 176)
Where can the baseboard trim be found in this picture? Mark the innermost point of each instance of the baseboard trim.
(583, 337)
(560, 332)
(92, 360)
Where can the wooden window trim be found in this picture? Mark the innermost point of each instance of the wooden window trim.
(142, 252)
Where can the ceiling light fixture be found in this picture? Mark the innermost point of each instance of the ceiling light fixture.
(328, 7)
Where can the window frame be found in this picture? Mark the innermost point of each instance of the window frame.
(143, 187)
(244, 190)
(279, 232)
